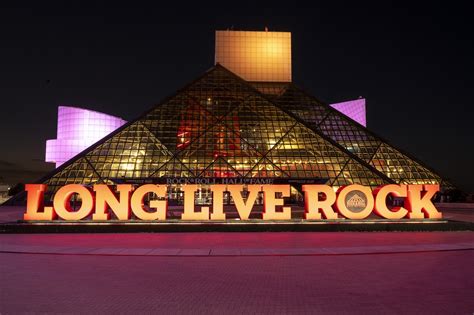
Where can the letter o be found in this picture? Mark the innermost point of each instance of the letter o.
(348, 213)
(63, 208)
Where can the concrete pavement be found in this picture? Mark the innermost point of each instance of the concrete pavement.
(238, 273)
(410, 283)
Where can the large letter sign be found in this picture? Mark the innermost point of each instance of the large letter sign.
(119, 206)
(62, 202)
(313, 203)
(380, 195)
(355, 201)
(270, 202)
(34, 202)
(160, 205)
(419, 202)
(76, 202)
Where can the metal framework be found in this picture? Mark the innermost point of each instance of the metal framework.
(222, 126)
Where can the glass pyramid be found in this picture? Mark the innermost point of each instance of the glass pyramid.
(222, 126)
(357, 139)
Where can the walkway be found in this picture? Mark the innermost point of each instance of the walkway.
(238, 273)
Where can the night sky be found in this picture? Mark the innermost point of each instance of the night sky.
(414, 63)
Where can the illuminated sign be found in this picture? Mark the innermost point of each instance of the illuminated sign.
(354, 202)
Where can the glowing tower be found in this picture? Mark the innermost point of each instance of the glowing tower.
(78, 129)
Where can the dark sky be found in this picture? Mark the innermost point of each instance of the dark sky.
(412, 61)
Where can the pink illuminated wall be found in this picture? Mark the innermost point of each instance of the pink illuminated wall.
(354, 109)
(78, 128)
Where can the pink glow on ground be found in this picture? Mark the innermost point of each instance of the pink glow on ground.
(257, 240)
(422, 283)
(354, 109)
(78, 129)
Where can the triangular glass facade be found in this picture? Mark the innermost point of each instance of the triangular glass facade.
(355, 138)
(222, 126)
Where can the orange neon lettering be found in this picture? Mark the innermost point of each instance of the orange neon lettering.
(380, 195)
(34, 203)
(270, 202)
(364, 207)
(105, 198)
(62, 202)
(189, 213)
(137, 203)
(244, 207)
(218, 202)
(313, 204)
(419, 202)
(355, 202)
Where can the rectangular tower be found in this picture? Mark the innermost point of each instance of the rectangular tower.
(255, 56)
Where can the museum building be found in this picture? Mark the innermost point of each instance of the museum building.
(242, 121)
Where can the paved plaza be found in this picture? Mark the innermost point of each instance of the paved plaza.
(238, 273)
(340, 278)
